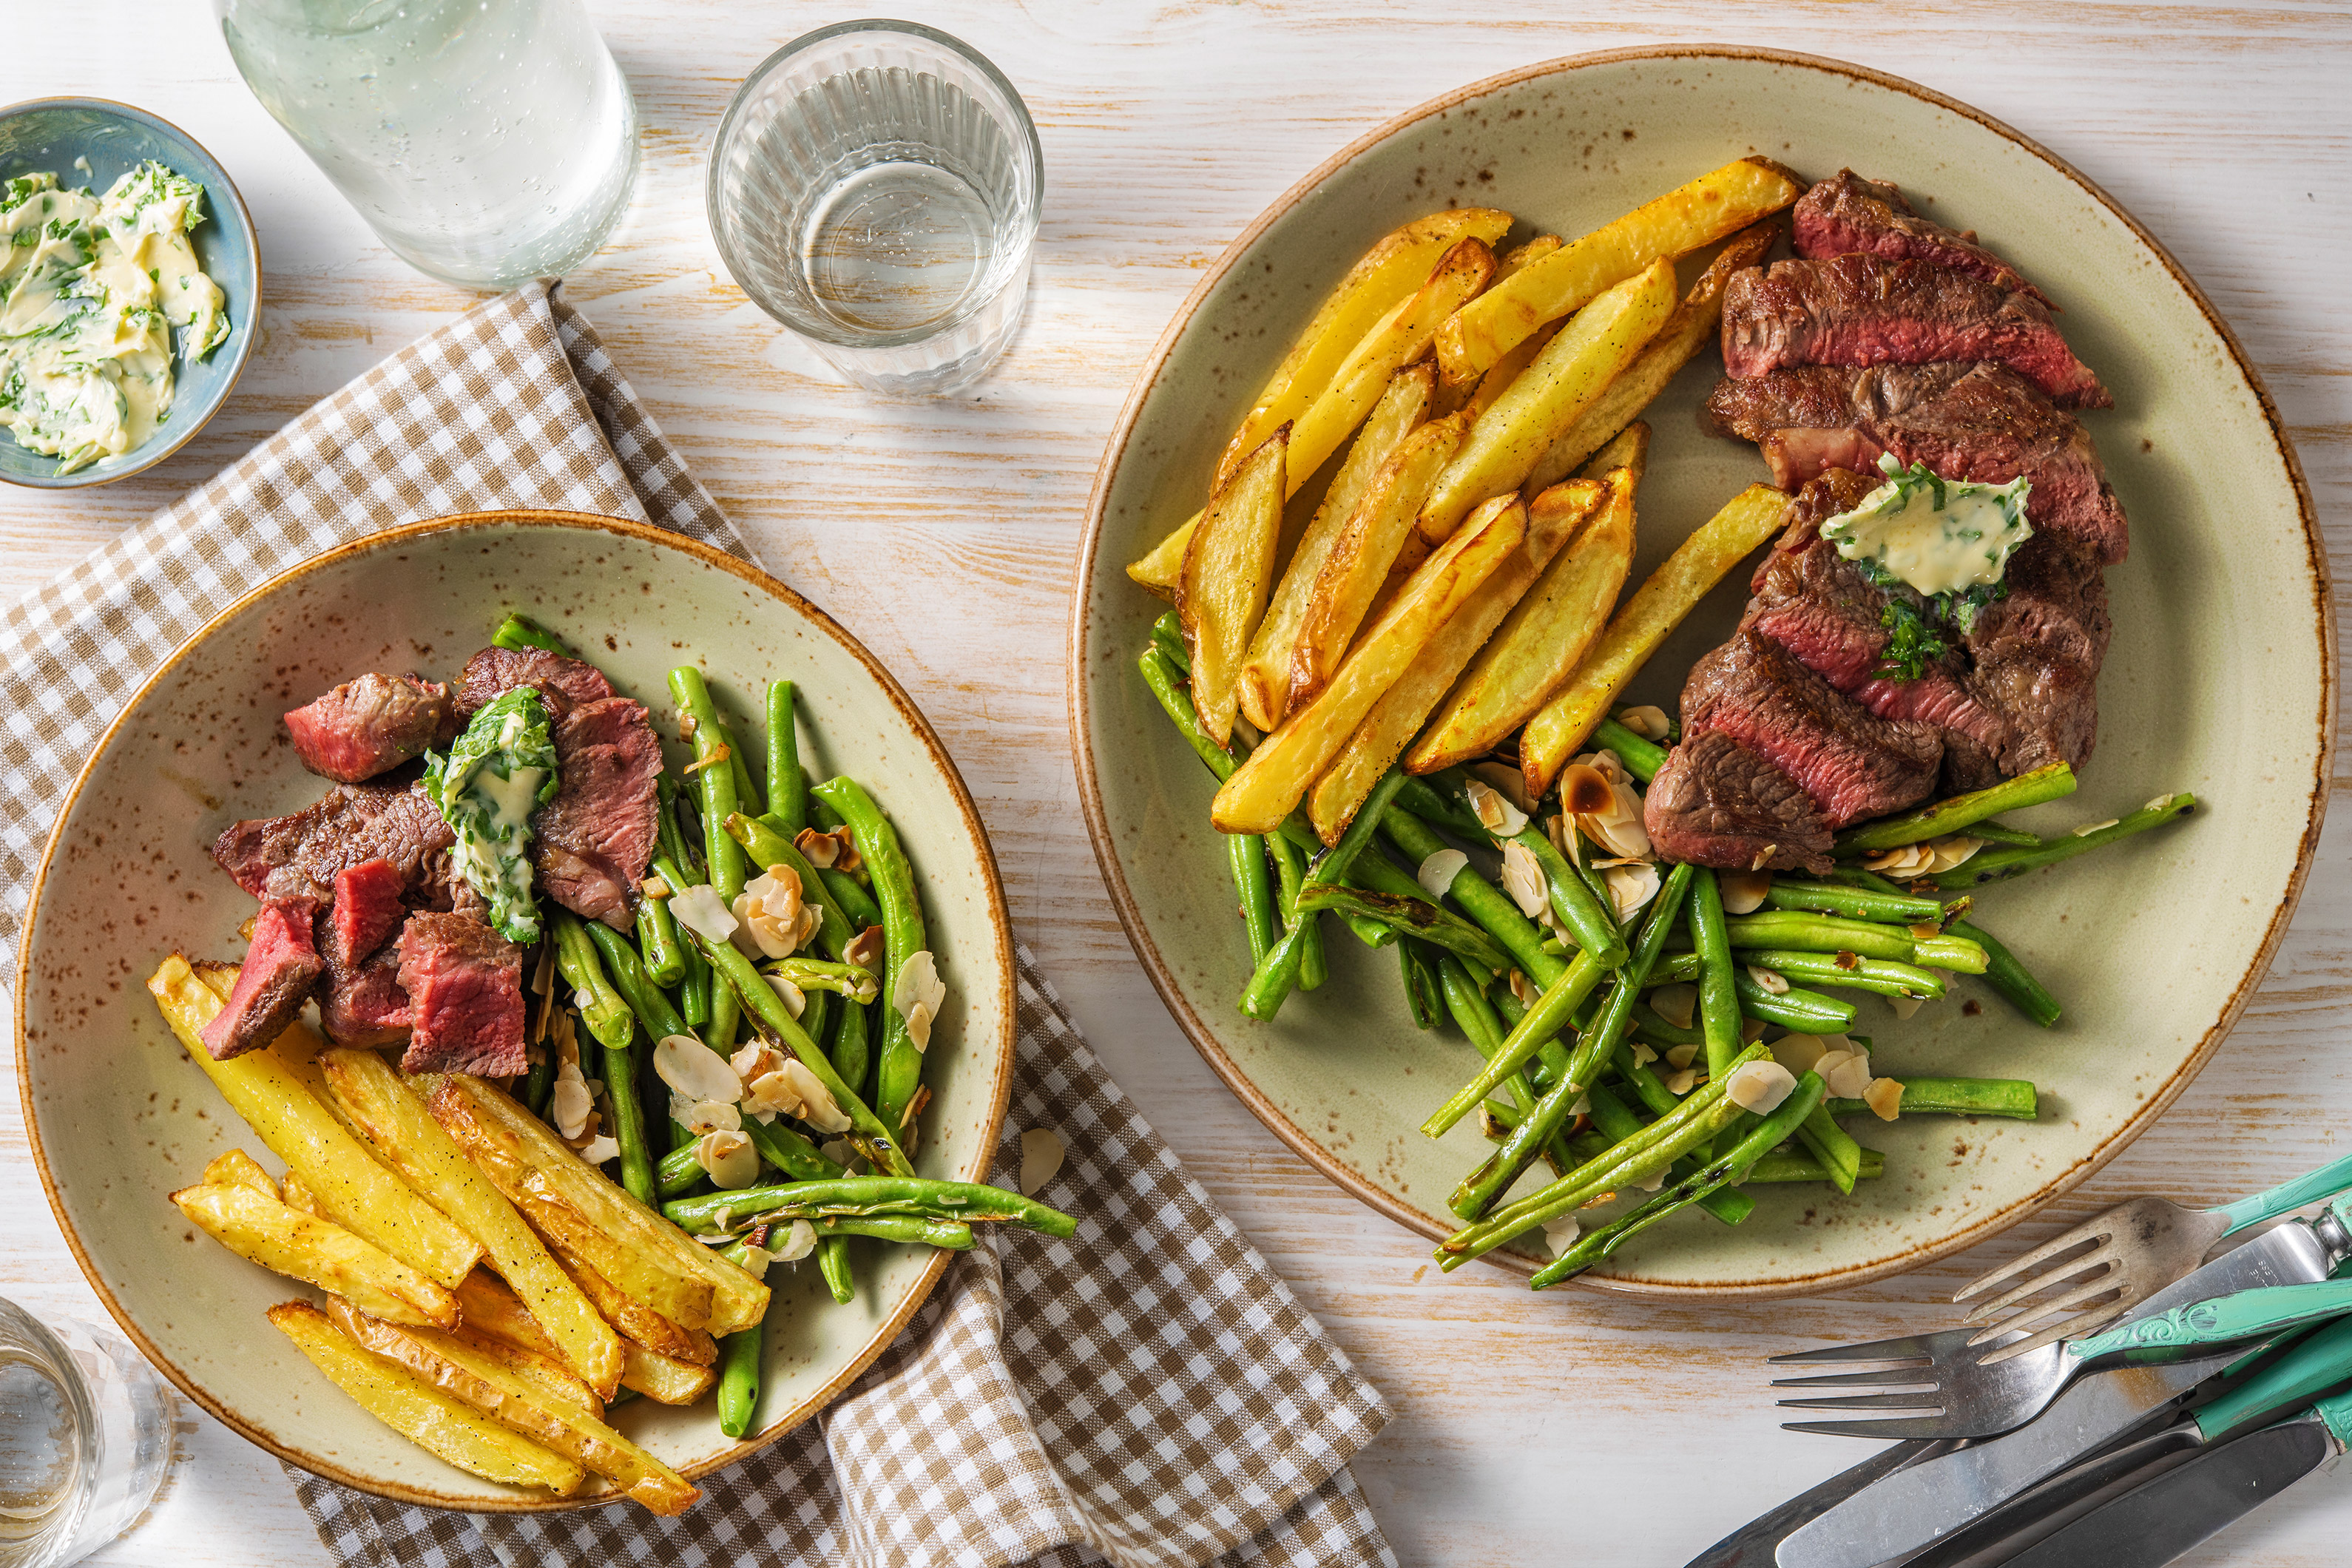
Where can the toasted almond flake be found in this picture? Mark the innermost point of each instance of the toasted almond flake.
(1907, 861)
(919, 1026)
(798, 1243)
(693, 1069)
(1803, 1053)
(1681, 1083)
(1583, 1106)
(1650, 1182)
(1436, 874)
(795, 999)
(756, 1061)
(686, 726)
(1677, 1005)
(1610, 766)
(1759, 1086)
(1751, 1031)
(1647, 721)
(1830, 1061)
(2090, 828)
(708, 1115)
(2160, 802)
(726, 1156)
(1743, 892)
(771, 913)
(1523, 878)
(1926, 930)
(1850, 1078)
(1906, 1006)
(1681, 1056)
(864, 949)
(771, 1094)
(1643, 1054)
(570, 1104)
(599, 1149)
(1524, 989)
(818, 849)
(1508, 780)
(1763, 857)
(818, 1108)
(1042, 1153)
(838, 1150)
(1631, 886)
(1585, 791)
(654, 888)
(719, 753)
(1561, 1233)
(918, 986)
(1770, 981)
(1562, 830)
(700, 910)
(1885, 1097)
(914, 1109)
(1946, 853)
(1496, 811)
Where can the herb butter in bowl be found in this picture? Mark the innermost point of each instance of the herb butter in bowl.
(129, 283)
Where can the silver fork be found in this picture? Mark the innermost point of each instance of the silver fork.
(2112, 1262)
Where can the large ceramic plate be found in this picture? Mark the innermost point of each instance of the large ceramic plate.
(118, 1115)
(2220, 679)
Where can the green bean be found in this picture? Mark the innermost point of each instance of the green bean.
(1290, 874)
(679, 1172)
(1642, 757)
(1413, 917)
(1590, 920)
(1480, 899)
(863, 1197)
(852, 1047)
(518, 634)
(1550, 1014)
(1994, 833)
(1168, 636)
(833, 1263)
(1475, 1017)
(1807, 1012)
(1618, 1123)
(847, 980)
(1599, 1043)
(657, 942)
(628, 1122)
(1424, 1002)
(1448, 807)
(1828, 1143)
(1854, 903)
(722, 856)
(949, 1236)
(539, 1086)
(1884, 976)
(1829, 933)
(601, 1007)
(2052, 783)
(1718, 995)
(1273, 976)
(1991, 865)
(2010, 977)
(2013, 1098)
(1653, 1089)
(1786, 1164)
(900, 1071)
(1255, 889)
(1550, 1065)
(739, 1365)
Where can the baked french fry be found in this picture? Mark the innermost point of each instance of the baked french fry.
(1361, 558)
(1497, 379)
(298, 1196)
(1542, 640)
(1452, 394)
(443, 1426)
(490, 1387)
(1701, 561)
(1262, 791)
(1549, 396)
(550, 1381)
(236, 1168)
(1629, 449)
(1683, 220)
(1691, 328)
(1228, 573)
(261, 1229)
(356, 1192)
(1264, 683)
(395, 1123)
(638, 1323)
(489, 1308)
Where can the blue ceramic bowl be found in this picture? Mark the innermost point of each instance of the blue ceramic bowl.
(50, 134)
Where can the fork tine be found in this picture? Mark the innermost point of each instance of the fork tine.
(1912, 1348)
(2106, 1283)
(2094, 1267)
(1928, 1399)
(1894, 1431)
(2091, 1232)
(2083, 1322)
(1885, 1377)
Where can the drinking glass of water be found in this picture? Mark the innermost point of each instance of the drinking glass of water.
(875, 187)
(486, 141)
(85, 1435)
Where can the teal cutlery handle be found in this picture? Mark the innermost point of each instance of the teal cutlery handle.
(2320, 1363)
(2337, 1413)
(2288, 1196)
(2223, 1320)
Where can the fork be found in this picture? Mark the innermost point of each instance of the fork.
(1976, 1400)
(2135, 1249)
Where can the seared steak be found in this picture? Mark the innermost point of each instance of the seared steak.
(1861, 309)
(465, 995)
(2038, 652)
(365, 1008)
(300, 855)
(1715, 802)
(563, 682)
(1848, 213)
(368, 911)
(280, 966)
(367, 726)
(1977, 422)
(595, 838)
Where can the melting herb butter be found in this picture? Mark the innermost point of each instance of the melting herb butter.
(501, 770)
(92, 291)
(1932, 534)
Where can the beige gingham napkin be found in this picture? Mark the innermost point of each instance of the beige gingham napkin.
(1150, 1394)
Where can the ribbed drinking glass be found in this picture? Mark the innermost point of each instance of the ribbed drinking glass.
(85, 1435)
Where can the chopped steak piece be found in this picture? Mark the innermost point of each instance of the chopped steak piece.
(563, 682)
(1861, 310)
(464, 982)
(365, 1008)
(368, 911)
(279, 968)
(595, 838)
(300, 855)
(1850, 213)
(369, 725)
(2038, 653)
(1715, 802)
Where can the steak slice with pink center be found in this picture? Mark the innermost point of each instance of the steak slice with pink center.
(1849, 214)
(279, 968)
(1715, 802)
(566, 683)
(365, 1008)
(464, 982)
(370, 725)
(595, 839)
(367, 912)
(300, 855)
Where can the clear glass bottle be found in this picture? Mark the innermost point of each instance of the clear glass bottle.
(85, 1437)
(486, 141)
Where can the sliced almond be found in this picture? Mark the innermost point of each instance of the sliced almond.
(1042, 1152)
(1906, 1006)
(1885, 1097)
(1683, 1082)
(1743, 892)
(728, 1158)
(1523, 878)
(1681, 1056)
(1759, 1086)
(1647, 721)
(1677, 1005)
(1801, 1053)
(1770, 981)
(2090, 828)
(1849, 1079)
(1496, 812)
(1436, 874)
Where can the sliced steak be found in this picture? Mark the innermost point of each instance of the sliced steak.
(1715, 802)
(593, 841)
(1853, 764)
(1848, 213)
(369, 726)
(279, 968)
(365, 1008)
(1861, 309)
(368, 911)
(564, 683)
(2037, 655)
(1978, 422)
(301, 854)
(464, 982)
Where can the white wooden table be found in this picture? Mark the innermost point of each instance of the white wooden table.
(1564, 1427)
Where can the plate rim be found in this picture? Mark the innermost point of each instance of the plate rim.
(1000, 1091)
(1205, 1040)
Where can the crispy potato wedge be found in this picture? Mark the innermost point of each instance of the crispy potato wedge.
(1701, 561)
(1361, 557)
(1557, 518)
(489, 1308)
(666, 1380)
(1228, 573)
(1691, 328)
(639, 1324)
(298, 1196)
(1629, 449)
(550, 1380)
(236, 1168)
(489, 1386)
(1497, 381)
(1262, 791)
(1683, 220)
(355, 1190)
(397, 1126)
(1542, 640)
(1561, 383)
(446, 1427)
(1265, 684)
(261, 1229)
(1452, 394)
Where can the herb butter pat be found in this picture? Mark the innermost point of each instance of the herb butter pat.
(501, 770)
(92, 290)
(1932, 534)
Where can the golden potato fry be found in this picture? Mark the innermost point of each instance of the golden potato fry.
(550, 1380)
(236, 1168)
(1454, 394)
(1701, 561)
(296, 1048)
(1681, 221)
(1497, 381)
(666, 1380)
(1691, 328)
(1563, 381)
(1629, 449)
(356, 1192)
(1263, 790)
(261, 1229)
(395, 1123)
(1543, 640)
(1265, 684)
(1228, 572)
(638, 1323)
(442, 1426)
(298, 1196)
(1361, 557)
(484, 1381)
(489, 1308)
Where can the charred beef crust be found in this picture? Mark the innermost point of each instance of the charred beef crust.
(564, 683)
(281, 963)
(364, 1006)
(300, 854)
(1849, 214)
(369, 726)
(1715, 802)
(595, 839)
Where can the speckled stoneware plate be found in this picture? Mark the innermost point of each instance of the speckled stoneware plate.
(2220, 679)
(118, 1117)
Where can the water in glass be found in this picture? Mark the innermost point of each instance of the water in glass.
(85, 1435)
(486, 141)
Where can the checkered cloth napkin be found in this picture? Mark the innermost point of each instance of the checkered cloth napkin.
(1150, 1394)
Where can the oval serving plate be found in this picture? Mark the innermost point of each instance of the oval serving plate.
(118, 1117)
(2221, 678)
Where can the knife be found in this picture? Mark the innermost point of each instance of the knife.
(1913, 1508)
(1753, 1544)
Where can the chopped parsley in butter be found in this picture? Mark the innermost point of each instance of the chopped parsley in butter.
(1935, 536)
(501, 770)
(92, 290)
